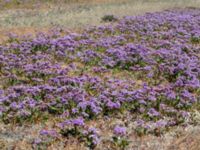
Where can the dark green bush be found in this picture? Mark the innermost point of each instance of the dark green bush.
(109, 18)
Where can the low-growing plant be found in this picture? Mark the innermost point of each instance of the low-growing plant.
(119, 138)
(109, 18)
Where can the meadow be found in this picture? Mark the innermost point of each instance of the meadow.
(31, 16)
(130, 82)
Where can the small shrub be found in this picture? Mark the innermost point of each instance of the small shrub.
(195, 40)
(109, 18)
(120, 138)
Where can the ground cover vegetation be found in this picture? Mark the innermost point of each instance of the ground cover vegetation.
(142, 70)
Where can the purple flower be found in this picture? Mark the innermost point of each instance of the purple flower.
(51, 133)
(153, 113)
(161, 124)
(37, 141)
(119, 131)
(78, 122)
(140, 122)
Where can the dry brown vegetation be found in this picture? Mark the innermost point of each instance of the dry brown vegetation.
(35, 15)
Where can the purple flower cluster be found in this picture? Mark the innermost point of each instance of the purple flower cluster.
(120, 131)
(52, 133)
(77, 74)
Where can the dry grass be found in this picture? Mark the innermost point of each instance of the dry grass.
(30, 4)
(77, 15)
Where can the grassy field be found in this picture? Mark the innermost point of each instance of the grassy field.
(75, 15)
(31, 16)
